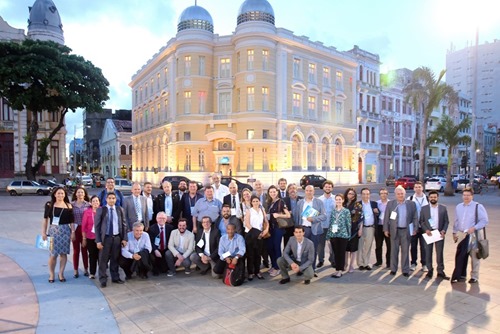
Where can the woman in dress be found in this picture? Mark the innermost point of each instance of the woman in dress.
(277, 209)
(339, 233)
(256, 226)
(59, 215)
(80, 203)
(88, 234)
(356, 210)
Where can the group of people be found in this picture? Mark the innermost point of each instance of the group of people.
(278, 229)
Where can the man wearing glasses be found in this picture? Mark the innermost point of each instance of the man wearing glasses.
(110, 188)
(379, 231)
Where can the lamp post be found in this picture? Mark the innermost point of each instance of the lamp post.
(74, 147)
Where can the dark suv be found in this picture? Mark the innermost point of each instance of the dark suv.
(175, 180)
(314, 180)
(225, 180)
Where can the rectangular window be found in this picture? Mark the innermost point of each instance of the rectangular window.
(384, 103)
(297, 64)
(187, 102)
(430, 152)
(201, 65)
(250, 134)
(326, 110)
(265, 98)
(250, 160)
(54, 116)
(326, 76)
(158, 107)
(265, 134)
(297, 104)
(224, 103)
(238, 62)
(187, 165)
(166, 109)
(187, 65)
(339, 109)
(165, 75)
(443, 153)
(136, 99)
(265, 60)
(225, 68)
(39, 116)
(339, 80)
(187, 135)
(140, 89)
(250, 59)
(368, 102)
(312, 73)
(201, 159)
(202, 100)
(311, 107)
(250, 98)
(361, 101)
(374, 108)
(146, 91)
(54, 153)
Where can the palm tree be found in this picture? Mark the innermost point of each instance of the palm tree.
(448, 132)
(426, 93)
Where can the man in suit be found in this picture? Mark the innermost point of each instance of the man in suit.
(380, 238)
(400, 223)
(147, 192)
(136, 208)
(291, 203)
(370, 212)
(282, 187)
(188, 201)
(181, 189)
(180, 248)
(258, 191)
(207, 247)
(297, 256)
(169, 203)
(420, 199)
(110, 236)
(233, 199)
(135, 256)
(159, 235)
(312, 222)
(434, 217)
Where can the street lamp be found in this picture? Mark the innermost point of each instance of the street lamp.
(74, 146)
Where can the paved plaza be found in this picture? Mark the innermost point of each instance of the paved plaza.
(363, 301)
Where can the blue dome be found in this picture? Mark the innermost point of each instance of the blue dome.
(44, 21)
(256, 10)
(195, 17)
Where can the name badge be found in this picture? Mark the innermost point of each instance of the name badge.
(394, 215)
(334, 228)
(55, 220)
(233, 212)
(192, 211)
(201, 243)
(431, 222)
(226, 254)
(93, 228)
(157, 241)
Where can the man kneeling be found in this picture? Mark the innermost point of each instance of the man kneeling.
(297, 256)
(231, 251)
(135, 255)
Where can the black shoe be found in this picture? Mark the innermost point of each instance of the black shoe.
(377, 264)
(204, 271)
(406, 274)
(392, 273)
(443, 276)
(285, 280)
(473, 281)
(103, 284)
(362, 268)
(265, 264)
(118, 281)
(320, 264)
(368, 268)
(428, 276)
(300, 273)
(307, 282)
(155, 273)
(315, 275)
(127, 277)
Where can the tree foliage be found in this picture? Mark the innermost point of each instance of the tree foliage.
(449, 133)
(425, 93)
(42, 76)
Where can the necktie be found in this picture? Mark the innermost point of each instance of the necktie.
(162, 243)
(110, 225)
(283, 194)
(137, 208)
(234, 202)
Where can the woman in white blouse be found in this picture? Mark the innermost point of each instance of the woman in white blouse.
(256, 227)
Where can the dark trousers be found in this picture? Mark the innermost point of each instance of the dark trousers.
(93, 255)
(141, 267)
(461, 259)
(339, 246)
(109, 253)
(439, 245)
(159, 263)
(379, 242)
(274, 246)
(253, 251)
(220, 266)
(315, 239)
(415, 240)
(77, 248)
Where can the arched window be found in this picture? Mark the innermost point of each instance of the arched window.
(360, 133)
(367, 134)
(130, 149)
(338, 154)
(296, 153)
(123, 150)
(373, 135)
(311, 154)
(325, 154)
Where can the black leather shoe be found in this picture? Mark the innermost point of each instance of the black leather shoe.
(377, 264)
(406, 274)
(320, 264)
(118, 281)
(362, 268)
(473, 281)
(285, 281)
(428, 276)
(392, 273)
(307, 282)
(443, 276)
(300, 273)
(368, 268)
(103, 284)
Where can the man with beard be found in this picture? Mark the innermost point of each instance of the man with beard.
(434, 217)
(180, 248)
(226, 219)
(219, 189)
(329, 203)
(282, 187)
(187, 203)
(182, 187)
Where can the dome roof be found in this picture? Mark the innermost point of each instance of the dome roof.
(195, 17)
(44, 22)
(256, 10)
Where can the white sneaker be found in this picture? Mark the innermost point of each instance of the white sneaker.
(274, 272)
(425, 269)
(413, 267)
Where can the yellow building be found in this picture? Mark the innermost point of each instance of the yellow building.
(260, 103)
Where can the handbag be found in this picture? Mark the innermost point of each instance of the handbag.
(483, 247)
(234, 275)
(284, 222)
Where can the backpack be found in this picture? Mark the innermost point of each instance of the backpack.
(234, 275)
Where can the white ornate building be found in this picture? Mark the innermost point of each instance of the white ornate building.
(116, 148)
(259, 101)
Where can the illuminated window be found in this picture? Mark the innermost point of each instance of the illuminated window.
(187, 65)
(265, 60)
(297, 104)
(311, 106)
(158, 81)
(201, 158)
(265, 98)
(187, 164)
(225, 68)
(339, 80)
(250, 59)
(165, 75)
(152, 85)
(187, 102)
(250, 134)
(326, 110)
(250, 98)
(326, 76)
(312, 73)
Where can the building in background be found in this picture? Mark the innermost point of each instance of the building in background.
(44, 24)
(116, 149)
(259, 103)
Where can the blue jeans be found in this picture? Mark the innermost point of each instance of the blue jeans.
(274, 246)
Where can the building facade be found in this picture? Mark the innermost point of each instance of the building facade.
(260, 103)
(116, 149)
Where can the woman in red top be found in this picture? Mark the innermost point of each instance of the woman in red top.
(88, 234)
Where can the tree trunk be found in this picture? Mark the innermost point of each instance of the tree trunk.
(423, 141)
(30, 140)
(449, 191)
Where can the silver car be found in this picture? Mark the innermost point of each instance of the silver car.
(124, 185)
(21, 187)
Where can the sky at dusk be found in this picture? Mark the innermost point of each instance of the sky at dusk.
(119, 36)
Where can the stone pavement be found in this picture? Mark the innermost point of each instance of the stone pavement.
(371, 302)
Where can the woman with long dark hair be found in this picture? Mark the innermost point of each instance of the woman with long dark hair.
(357, 217)
(256, 226)
(59, 215)
(277, 209)
(80, 203)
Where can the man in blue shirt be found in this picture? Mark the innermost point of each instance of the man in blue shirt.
(231, 250)
(135, 256)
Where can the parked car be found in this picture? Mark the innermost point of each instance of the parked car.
(435, 183)
(225, 180)
(314, 180)
(456, 177)
(174, 180)
(406, 182)
(495, 178)
(124, 185)
(390, 181)
(50, 183)
(21, 187)
(86, 180)
(462, 184)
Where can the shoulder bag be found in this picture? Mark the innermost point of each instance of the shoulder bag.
(483, 248)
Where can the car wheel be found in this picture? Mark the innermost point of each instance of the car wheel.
(39, 192)
(13, 193)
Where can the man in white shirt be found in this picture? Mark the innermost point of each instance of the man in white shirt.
(370, 212)
(420, 200)
(379, 232)
(135, 256)
(220, 190)
(206, 251)
(180, 248)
